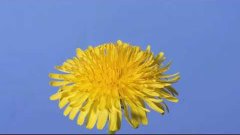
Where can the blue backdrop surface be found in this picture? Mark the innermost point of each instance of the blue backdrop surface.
(201, 37)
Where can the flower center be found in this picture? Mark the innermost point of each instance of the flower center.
(110, 78)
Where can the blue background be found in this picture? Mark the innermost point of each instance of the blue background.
(201, 37)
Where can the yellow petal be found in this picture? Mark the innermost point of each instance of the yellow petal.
(163, 93)
(78, 102)
(58, 83)
(79, 52)
(81, 117)
(126, 114)
(56, 96)
(169, 76)
(67, 110)
(156, 85)
(160, 57)
(55, 76)
(155, 107)
(69, 62)
(165, 68)
(172, 99)
(63, 103)
(148, 48)
(143, 116)
(92, 118)
(102, 119)
(62, 69)
(119, 42)
(139, 56)
(114, 121)
(171, 80)
(135, 117)
(73, 113)
(61, 76)
(102, 103)
(156, 100)
(84, 112)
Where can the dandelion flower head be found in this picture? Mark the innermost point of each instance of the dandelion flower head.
(102, 84)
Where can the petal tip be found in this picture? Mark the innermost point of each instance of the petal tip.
(119, 42)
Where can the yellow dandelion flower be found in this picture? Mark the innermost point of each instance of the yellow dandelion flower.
(103, 83)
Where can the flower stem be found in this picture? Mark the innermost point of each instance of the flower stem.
(111, 132)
